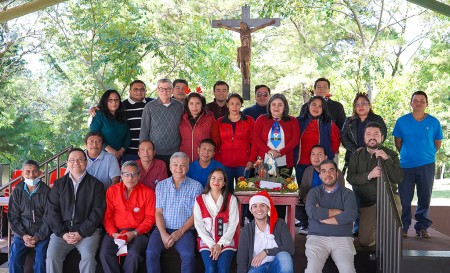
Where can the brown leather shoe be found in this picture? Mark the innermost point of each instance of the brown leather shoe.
(405, 233)
(423, 233)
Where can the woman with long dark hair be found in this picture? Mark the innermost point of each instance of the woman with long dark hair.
(111, 122)
(352, 132)
(316, 127)
(197, 124)
(216, 220)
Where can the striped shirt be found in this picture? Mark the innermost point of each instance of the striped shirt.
(133, 112)
(177, 204)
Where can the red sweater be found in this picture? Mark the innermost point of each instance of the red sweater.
(291, 131)
(311, 137)
(138, 212)
(206, 127)
(235, 147)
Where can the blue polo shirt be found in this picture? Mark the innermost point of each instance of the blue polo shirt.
(104, 167)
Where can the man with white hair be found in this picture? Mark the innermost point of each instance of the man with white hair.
(265, 244)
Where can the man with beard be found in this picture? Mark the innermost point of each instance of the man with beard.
(331, 210)
(363, 172)
(219, 106)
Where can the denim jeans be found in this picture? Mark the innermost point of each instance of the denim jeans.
(421, 177)
(19, 254)
(185, 247)
(281, 264)
(221, 265)
(233, 173)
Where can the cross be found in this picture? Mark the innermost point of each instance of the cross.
(245, 27)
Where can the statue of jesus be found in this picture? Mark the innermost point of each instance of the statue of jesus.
(244, 52)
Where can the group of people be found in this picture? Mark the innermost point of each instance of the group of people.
(160, 173)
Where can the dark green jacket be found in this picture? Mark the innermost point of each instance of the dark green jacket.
(361, 164)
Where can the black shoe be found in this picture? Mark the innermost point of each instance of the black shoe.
(355, 234)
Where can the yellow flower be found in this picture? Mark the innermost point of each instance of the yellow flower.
(292, 186)
(242, 184)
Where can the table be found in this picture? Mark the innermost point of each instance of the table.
(290, 200)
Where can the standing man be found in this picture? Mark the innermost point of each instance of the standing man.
(100, 164)
(27, 207)
(262, 95)
(76, 206)
(200, 169)
(417, 136)
(133, 107)
(363, 172)
(335, 108)
(151, 169)
(160, 122)
(311, 179)
(331, 210)
(219, 106)
(175, 199)
(130, 213)
(265, 244)
(179, 92)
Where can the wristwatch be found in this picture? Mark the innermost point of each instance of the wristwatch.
(266, 251)
(135, 233)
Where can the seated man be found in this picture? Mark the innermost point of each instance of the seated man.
(200, 169)
(76, 206)
(265, 244)
(175, 199)
(331, 209)
(363, 172)
(130, 212)
(27, 206)
(100, 164)
(310, 180)
(151, 169)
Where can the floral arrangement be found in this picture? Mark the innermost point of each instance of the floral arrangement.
(253, 184)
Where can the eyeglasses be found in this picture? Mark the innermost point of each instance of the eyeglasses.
(127, 174)
(364, 103)
(78, 160)
(113, 100)
(261, 94)
(162, 89)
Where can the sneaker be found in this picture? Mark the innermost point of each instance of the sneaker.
(404, 233)
(303, 230)
(423, 233)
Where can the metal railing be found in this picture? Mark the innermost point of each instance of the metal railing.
(389, 230)
(47, 167)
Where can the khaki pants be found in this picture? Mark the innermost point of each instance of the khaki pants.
(368, 222)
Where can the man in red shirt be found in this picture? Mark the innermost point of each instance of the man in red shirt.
(151, 169)
(130, 214)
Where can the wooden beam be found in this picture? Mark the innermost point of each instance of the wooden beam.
(434, 6)
(27, 8)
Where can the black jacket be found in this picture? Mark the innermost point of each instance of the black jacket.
(26, 214)
(246, 244)
(349, 133)
(334, 108)
(88, 208)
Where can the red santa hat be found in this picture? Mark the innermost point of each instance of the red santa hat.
(264, 197)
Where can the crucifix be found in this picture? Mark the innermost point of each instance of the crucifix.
(245, 27)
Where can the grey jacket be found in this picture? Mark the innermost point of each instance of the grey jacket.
(244, 256)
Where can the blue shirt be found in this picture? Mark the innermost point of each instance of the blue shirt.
(105, 167)
(418, 138)
(200, 174)
(34, 191)
(177, 204)
(316, 181)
